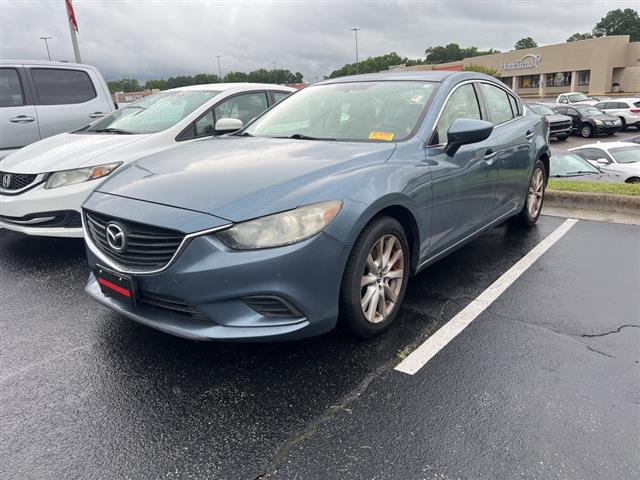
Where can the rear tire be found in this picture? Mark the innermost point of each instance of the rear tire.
(535, 196)
(375, 278)
(586, 131)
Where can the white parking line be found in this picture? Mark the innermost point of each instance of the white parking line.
(436, 342)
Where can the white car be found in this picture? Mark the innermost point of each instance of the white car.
(628, 109)
(571, 98)
(619, 157)
(43, 185)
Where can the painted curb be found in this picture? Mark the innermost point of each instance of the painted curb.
(593, 201)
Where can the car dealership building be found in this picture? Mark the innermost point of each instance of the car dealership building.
(595, 66)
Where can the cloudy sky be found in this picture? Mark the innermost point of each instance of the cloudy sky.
(157, 39)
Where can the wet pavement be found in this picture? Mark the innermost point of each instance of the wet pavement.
(544, 384)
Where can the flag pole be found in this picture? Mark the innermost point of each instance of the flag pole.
(73, 29)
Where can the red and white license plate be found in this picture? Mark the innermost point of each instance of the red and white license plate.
(116, 285)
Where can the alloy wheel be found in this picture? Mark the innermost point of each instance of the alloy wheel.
(536, 190)
(382, 278)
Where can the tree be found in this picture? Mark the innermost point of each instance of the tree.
(526, 42)
(619, 22)
(579, 36)
(124, 85)
(453, 53)
(374, 64)
(482, 69)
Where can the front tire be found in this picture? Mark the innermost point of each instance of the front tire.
(375, 278)
(562, 138)
(535, 196)
(586, 131)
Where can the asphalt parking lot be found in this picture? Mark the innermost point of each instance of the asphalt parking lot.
(543, 384)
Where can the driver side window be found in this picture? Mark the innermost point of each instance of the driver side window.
(463, 103)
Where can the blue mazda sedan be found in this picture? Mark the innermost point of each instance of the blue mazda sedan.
(317, 212)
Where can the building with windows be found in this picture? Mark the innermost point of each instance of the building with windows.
(596, 66)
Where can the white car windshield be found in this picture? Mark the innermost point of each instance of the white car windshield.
(568, 164)
(355, 111)
(578, 97)
(152, 114)
(630, 154)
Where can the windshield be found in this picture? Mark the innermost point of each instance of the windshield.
(590, 111)
(542, 110)
(630, 154)
(566, 164)
(361, 111)
(153, 113)
(578, 97)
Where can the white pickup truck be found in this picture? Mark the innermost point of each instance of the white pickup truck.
(39, 99)
(576, 97)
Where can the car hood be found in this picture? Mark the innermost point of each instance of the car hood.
(238, 178)
(67, 151)
(556, 117)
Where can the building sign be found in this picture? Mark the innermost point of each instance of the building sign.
(528, 61)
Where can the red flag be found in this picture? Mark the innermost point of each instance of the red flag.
(72, 15)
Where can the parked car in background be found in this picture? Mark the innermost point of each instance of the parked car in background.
(589, 121)
(619, 157)
(324, 204)
(560, 126)
(627, 109)
(44, 184)
(633, 139)
(572, 98)
(570, 166)
(41, 99)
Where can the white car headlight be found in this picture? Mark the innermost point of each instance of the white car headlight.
(598, 122)
(282, 228)
(79, 175)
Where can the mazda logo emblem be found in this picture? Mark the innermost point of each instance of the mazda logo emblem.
(115, 237)
(6, 180)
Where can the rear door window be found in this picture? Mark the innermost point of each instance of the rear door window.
(498, 103)
(279, 96)
(58, 86)
(11, 94)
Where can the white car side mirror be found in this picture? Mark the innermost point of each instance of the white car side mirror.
(226, 125)
(603, 161)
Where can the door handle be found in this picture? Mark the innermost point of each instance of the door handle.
(97, 114)
(22, 119)
(490, 156)
(529, 135)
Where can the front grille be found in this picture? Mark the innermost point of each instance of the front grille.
(146, 248)
(560, 125)
(171, 304)
(57, 219)
(272, 306)
(16, 181)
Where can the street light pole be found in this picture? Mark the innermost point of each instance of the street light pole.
(275, 73)
(46, 43)
(356, 30)
(219, 67)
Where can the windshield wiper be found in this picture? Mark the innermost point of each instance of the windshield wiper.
(302, 136)
(580, 172)
(243, 134)
(119, 131)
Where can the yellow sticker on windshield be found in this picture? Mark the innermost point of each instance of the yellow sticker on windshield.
(388, 136)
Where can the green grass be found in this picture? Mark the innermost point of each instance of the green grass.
(594, 187)
(404, 353)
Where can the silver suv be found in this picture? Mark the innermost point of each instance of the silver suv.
(41, 99)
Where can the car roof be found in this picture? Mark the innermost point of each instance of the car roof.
(606, 145)
(223, 87)
(416, 75)
(48, 63)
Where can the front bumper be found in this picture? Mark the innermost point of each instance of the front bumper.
(215, 282)
(21, 212)
(608, 128)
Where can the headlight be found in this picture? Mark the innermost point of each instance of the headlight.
(79, 175)
(597, 122)
(282, 228)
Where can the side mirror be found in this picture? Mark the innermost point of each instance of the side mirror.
(464, 131)
(227, 125)
(603, 161)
